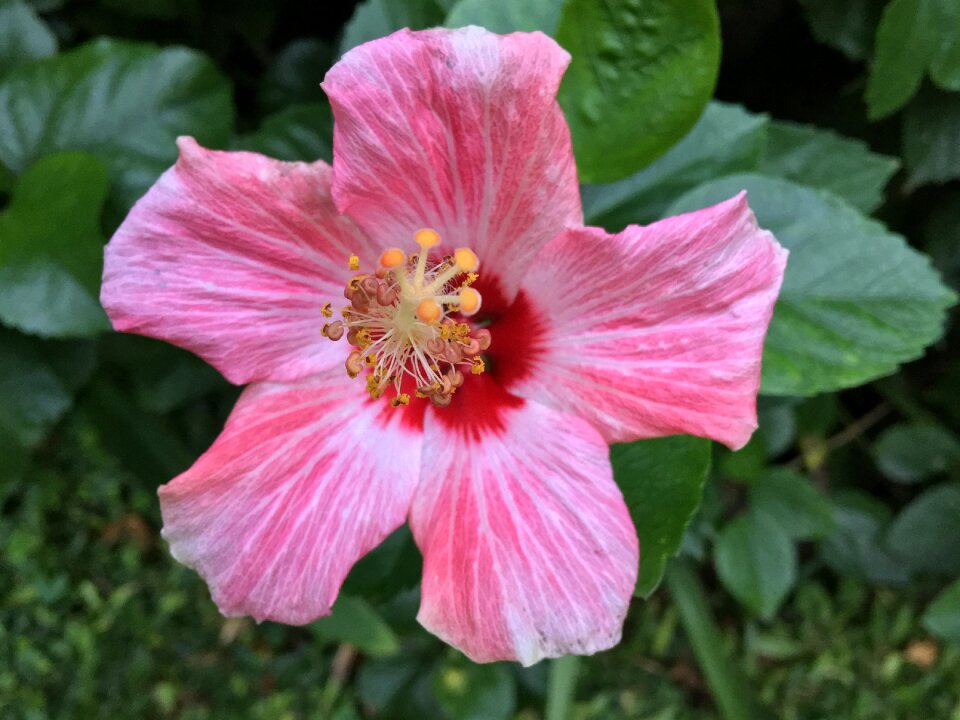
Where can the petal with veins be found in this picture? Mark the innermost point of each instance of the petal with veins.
(529, 551)
(460, 131)
(231, 255)
(659, 329)
(304, 480)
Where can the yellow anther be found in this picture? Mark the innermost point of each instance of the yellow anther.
(429, 311)
(471, 279)
(469, 301)
(478, 366)
(363, 337)
(426, 238)
(393, 257)
(373, 386)
(354, 262)
(326, 311)
(466, 260)
(370, 360)
(401, 399)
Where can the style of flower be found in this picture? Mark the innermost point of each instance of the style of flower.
(485, 349)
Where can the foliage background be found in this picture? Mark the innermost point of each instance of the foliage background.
(818, 577)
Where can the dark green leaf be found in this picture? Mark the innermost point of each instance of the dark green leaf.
(907, 41)
(32, 395)
(909, 453)
(725, 140)
(662, 482)
(124, 102)
(778, 424)
(942, 618)
(300, 132)
(945, 68)
(51, 253)
(849, 26)
(942, 237)
(855, 548)
(13, 455)
(756, 562)
(822, 159)
(856, 301)
(375, 18)
(931, 137)
(925, 532)
(642, 73)
(505, 16)
(467, 691)
(295, 74)
(23, 36)
(802, 511)
(147, 444)
(354, 621)
(746, 464)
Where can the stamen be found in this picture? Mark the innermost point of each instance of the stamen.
(469, 301)
(354, 262)
(429, 311)
(393, 257)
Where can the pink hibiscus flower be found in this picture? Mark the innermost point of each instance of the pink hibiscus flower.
(500, 394)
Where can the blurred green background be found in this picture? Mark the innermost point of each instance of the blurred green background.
(818, 577)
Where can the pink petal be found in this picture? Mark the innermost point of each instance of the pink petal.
(458, 130)
(304, 480)
(529, 551)
(659, 329)
(231, 255)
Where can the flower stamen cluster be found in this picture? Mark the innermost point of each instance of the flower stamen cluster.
(401, 322)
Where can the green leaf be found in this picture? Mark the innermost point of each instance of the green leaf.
(24, 37)
(32, 395)
(51, 248)
(856, 301)
(942, 618)
(662, 482)
(375, 18)
(907, 41)
(725, 140)
(931, 128)
(910, 453)
(855, 548)
(756, 562)
(295, 73)
(792, 501)
(299, 132)
(467, 691)
(505, 16)
(945, 68)
(822, 159)
(124, 102)
(641, 75)
(849, 26)
(925, 532)
(354, 621)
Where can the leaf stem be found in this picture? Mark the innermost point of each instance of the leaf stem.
(561, 687)
(727, 684)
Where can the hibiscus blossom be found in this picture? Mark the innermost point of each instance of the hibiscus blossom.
(431, 335)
